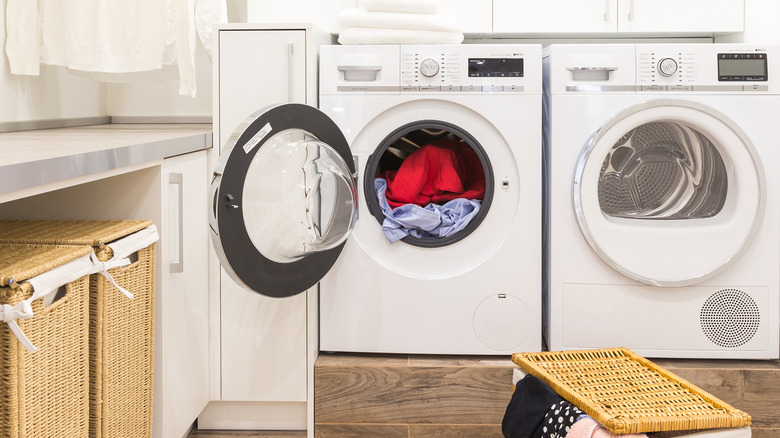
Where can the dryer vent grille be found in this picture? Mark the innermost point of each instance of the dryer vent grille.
(730, 318)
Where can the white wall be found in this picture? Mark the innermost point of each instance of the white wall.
(322, 13)
(760, 24)
(55, 94)
(162, 99)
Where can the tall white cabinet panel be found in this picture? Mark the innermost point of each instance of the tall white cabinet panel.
(256, 69)
(182, 303)
(567, 16)
(672, 16)
(263, 340)
(262, 358)
(475, 16)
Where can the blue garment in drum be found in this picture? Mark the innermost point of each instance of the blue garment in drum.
(429, 222)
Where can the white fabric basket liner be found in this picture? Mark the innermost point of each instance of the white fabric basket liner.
(45, 285)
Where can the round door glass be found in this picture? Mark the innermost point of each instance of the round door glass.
(669, 192)
(299, 197)
(663, 170)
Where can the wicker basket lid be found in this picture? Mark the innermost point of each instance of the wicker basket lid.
(95, 233)
(627, 393)
(20, 262)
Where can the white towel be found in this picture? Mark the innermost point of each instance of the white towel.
(407, 6)
(397, 20)
(365, 35)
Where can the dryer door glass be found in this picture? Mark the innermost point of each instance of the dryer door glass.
(284, 200)
(669, 192)
(663, 170)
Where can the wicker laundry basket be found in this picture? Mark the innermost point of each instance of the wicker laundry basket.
(44, 393)
(627, 393)
(121, 329)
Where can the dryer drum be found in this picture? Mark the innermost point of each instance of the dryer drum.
(663, 170)
(405, 140)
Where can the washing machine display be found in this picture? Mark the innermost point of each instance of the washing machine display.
(304, 196)
(661, 220)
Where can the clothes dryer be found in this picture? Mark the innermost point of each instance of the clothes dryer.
(662, 220)
(295, 201)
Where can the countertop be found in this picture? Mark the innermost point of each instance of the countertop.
(39, 157)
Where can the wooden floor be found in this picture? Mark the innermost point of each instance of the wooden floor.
(362, 395)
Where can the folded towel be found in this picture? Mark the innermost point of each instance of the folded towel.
(407, 6)
(366, 35)
(397, 20)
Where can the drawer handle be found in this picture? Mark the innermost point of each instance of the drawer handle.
(178, 180)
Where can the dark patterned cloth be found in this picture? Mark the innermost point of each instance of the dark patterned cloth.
(526, 411)
(558, 420)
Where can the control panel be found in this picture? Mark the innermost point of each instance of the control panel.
(660, 69)
(702, 67)
(464, 68)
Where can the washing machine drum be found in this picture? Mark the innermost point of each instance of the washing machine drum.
(284, 200)
(669, 193)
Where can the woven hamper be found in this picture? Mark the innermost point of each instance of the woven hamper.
(45, 393)
(627, 393)
(121, 329)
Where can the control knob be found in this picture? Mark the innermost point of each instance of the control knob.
(429, 67)
(667, 67)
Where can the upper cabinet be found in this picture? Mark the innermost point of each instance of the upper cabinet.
(681, 16)
(661, 17)
(554, 16)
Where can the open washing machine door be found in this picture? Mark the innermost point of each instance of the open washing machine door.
(669, 192)
(283, 200)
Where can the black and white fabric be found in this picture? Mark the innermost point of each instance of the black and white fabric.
(524, 414)
(558, 420)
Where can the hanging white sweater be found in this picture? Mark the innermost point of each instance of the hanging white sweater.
(111, 38)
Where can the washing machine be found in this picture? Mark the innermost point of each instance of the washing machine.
(295, 200)
(662, 177)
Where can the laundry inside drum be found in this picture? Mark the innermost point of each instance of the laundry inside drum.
(663, 170)
(429, 185)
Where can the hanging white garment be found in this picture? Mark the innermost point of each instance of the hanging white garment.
(114, 41)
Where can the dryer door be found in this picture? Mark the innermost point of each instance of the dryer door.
(669, 192)
(283, 200)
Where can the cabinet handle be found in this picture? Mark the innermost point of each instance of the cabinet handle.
(177, 179)
(290, 56)
(606, 10)
(630, 10)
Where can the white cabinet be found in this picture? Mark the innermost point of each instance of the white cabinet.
(259, 68)
(671, 17)
(182, 304)
(170, 192)
(262, 360)
(681, 16)
(565, 16)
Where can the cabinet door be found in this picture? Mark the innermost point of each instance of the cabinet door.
(258, 68)
(681, 16)
(182, 302)
(263, 340)
(560, 16)
(474, 15)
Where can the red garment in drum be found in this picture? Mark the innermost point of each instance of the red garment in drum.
(436, 173)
